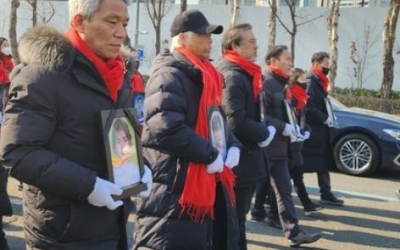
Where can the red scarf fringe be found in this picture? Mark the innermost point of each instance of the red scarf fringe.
(324, 79)
(112, 71)
(137, 83)
(198, 196)
(250, 67)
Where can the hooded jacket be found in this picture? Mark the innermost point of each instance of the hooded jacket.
(169, 143)
(53, 142)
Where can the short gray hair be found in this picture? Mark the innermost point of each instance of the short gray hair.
(86, 8)
(176, 43)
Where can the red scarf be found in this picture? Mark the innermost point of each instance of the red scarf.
(137, 83)
(7, 62)
(3, 75)
(112, 71)
(300, 94)
(251, 68)
(278, 71)
(324, 79)
(198, 196)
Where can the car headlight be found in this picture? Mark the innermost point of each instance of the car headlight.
(395, 133)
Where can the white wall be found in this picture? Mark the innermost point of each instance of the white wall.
(311, 37)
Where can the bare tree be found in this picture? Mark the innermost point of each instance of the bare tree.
(12, 32)
(292, 4)
(333, 22)
(183, 5)
(44, 16)
(272, 24)
(157, 10)
(389, 37)
(234, 9)
(360, 54)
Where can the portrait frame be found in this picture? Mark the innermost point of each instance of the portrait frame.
(123, 162)
(263, 107)
(138, 103)
(329, 110)
(217, 123)
(291, 117)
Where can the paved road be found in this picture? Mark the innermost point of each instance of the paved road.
(370, 218)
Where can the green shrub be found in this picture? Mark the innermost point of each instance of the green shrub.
(391, 106)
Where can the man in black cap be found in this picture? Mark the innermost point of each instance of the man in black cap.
(191, 205)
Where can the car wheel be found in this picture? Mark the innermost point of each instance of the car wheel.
(356, 154)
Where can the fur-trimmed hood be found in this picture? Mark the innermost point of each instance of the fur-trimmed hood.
(45, 46)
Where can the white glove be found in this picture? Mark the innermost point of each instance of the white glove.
(328, 122)
(216, 166)
(147, 178)
(232, 158)
(306, 135)
(266, 142)
(101, 194)
(289, 130)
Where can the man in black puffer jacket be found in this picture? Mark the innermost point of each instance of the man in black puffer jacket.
(276, 75)
(51, 135)
(177, 95)
(241, 101)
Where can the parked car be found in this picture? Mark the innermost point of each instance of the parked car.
(364, 140)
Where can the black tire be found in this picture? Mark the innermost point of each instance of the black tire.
(356, 154)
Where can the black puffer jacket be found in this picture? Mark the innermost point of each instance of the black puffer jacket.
(317, 150)
(274, 88)
(5, 204)
(51, 138)
(243, 119)
(169, 143)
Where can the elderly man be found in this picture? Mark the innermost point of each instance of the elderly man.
(241, 101)
(51, 136)
(193, 184)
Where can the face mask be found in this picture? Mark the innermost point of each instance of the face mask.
(325, 70)
(6, 51)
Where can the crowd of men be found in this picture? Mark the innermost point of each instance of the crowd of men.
(201, 176)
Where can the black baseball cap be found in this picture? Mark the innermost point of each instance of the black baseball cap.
(195, 21)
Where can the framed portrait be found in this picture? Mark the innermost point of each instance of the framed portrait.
(291, 116)
(329, 110)
(123, 150)
(263, 107)
(217, 129)
(138, 104)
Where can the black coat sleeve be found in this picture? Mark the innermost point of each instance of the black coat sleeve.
(234, 101)
(29, 121)
(313, 113)
(278, 124)
(165, 111)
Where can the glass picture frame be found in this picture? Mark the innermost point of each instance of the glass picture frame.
(292, 118)
(138, 104)
(125, 165)
(217, 129)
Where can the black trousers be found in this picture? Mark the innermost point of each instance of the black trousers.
(263, 192)
(281, 185)
(324, 182)
(225, 232)
(244, 194)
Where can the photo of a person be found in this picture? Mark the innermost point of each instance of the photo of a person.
(218, 133)
(139, 105)
(124, 153)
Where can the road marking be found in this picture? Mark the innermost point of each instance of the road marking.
(371, 196)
